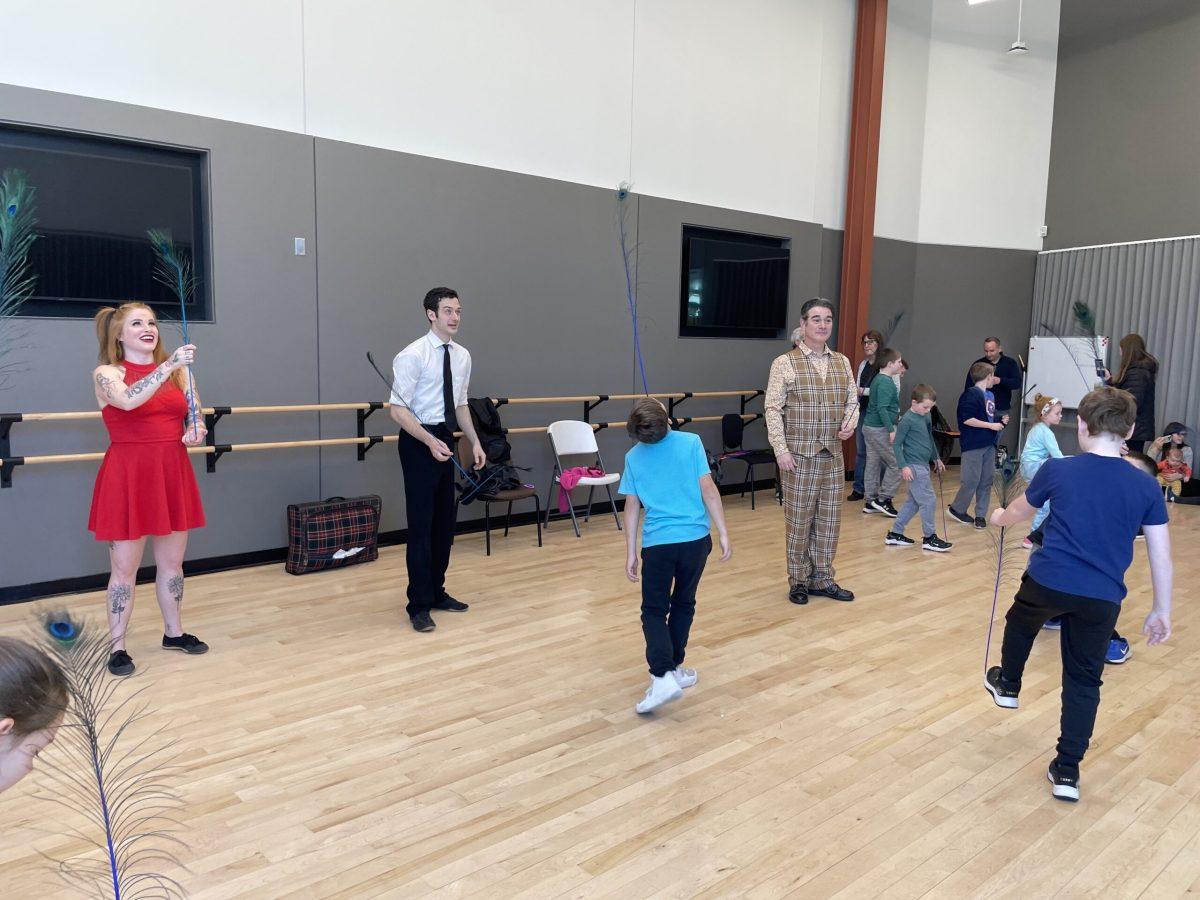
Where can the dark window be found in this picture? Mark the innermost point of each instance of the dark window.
(95, 200)
(733, 284)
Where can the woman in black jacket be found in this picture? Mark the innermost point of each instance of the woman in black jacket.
(1136, 375)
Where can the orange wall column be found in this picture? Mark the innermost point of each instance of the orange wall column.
(859, 240)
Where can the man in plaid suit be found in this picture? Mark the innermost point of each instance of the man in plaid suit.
(811, 407)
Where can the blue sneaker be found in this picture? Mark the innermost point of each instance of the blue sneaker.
(1054, 624)
(1118, 651)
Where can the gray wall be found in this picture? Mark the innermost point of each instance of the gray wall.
(536, 261)
(259, 349)
(1126, 132)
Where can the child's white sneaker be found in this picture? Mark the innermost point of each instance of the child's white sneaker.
(662, 690)
(685, 678)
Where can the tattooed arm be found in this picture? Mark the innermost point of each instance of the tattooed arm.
(194, 430)
(111, 389)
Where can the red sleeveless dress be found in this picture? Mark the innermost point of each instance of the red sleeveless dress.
(145, 484)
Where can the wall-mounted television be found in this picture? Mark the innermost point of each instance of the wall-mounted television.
(733, 284)
(96, 197)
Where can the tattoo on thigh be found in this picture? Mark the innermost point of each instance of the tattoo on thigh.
(175, 588)
(118, 596)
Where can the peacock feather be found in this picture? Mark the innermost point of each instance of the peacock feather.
(173, 268)
(1007, 486)
(889, 328)
(116, 787)
(627, 259)
(18, 222)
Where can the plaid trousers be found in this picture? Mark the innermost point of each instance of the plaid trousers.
(812, 510)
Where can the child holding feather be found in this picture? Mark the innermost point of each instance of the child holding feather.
(1100, 502)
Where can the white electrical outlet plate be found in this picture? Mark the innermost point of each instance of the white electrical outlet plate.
(300, 251)
(1043, 231)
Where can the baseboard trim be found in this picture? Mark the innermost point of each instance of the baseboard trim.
(42, 590)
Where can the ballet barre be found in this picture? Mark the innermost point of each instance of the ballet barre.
(212, 450)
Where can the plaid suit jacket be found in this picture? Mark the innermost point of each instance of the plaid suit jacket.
(804, 411)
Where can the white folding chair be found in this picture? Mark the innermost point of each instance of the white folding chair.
(573, 438)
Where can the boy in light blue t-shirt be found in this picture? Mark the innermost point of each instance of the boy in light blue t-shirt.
(667, 473)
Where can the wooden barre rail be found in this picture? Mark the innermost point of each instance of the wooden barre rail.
(333, 407)
(315, 442)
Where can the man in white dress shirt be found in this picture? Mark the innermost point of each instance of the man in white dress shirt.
(430, 377)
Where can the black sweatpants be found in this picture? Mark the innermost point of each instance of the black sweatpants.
(670, 575)
(432, 509)
(1087, 626)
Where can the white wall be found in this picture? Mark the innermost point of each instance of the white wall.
(977, 174)
(743, 105)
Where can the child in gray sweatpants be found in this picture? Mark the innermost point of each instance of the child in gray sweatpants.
(915, 450)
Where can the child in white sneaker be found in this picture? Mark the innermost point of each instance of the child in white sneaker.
(667, 472)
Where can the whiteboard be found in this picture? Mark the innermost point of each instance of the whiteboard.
(1064, 367)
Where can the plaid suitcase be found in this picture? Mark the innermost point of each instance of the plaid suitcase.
(330, 534)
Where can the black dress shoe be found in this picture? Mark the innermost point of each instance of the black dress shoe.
(854, 497)
(980, 522)
(798, 594)
(423, 622)
(449, 604)
(832, 591)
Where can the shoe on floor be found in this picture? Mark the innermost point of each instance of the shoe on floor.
(879, 506)
(896, 539)
(798, 595)
(980, 522)
(833, 591)
(959, 517)
(869, 507)
(685, 678)
(1063, 785)
(120, 663)
(854, 497)
(885, 506)
(936, 544)
(1054, 624)
(423, 621)
(449, 604)
(1004, 696)
(188, 643)
(663, 689)
(1118, 651)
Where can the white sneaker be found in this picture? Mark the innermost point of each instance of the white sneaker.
(685, 678)
(662, 690)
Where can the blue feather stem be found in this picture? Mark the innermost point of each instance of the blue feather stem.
(622, 196)
(193, 413)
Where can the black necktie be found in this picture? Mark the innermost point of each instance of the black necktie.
(448, 388)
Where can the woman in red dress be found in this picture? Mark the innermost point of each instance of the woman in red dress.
(145, 486)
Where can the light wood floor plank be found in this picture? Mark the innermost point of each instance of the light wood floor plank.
(846, 750)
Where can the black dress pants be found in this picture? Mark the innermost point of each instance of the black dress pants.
(432, 509)
(1087, 626)
(670, 575)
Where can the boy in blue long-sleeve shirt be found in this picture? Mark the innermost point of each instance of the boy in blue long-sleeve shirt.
(977, 431)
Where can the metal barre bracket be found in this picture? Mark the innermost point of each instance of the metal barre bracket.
(210, 423)
(361, 416)
(9, 462)
(589, 405)
(672, 402)
(219, 451)
(746, 398)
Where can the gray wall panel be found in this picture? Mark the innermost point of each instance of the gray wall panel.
(1126, 133)
(259, 349)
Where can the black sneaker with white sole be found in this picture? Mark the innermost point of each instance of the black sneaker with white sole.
(188, 643)
(1063, 785)
(896, 539)
(959, 517)
(936, 544)
(1003, 694)
(888, 509)
(869, 508)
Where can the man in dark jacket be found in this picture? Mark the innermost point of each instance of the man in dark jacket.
(1008, 379)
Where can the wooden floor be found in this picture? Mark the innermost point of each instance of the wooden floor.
(828, 750)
